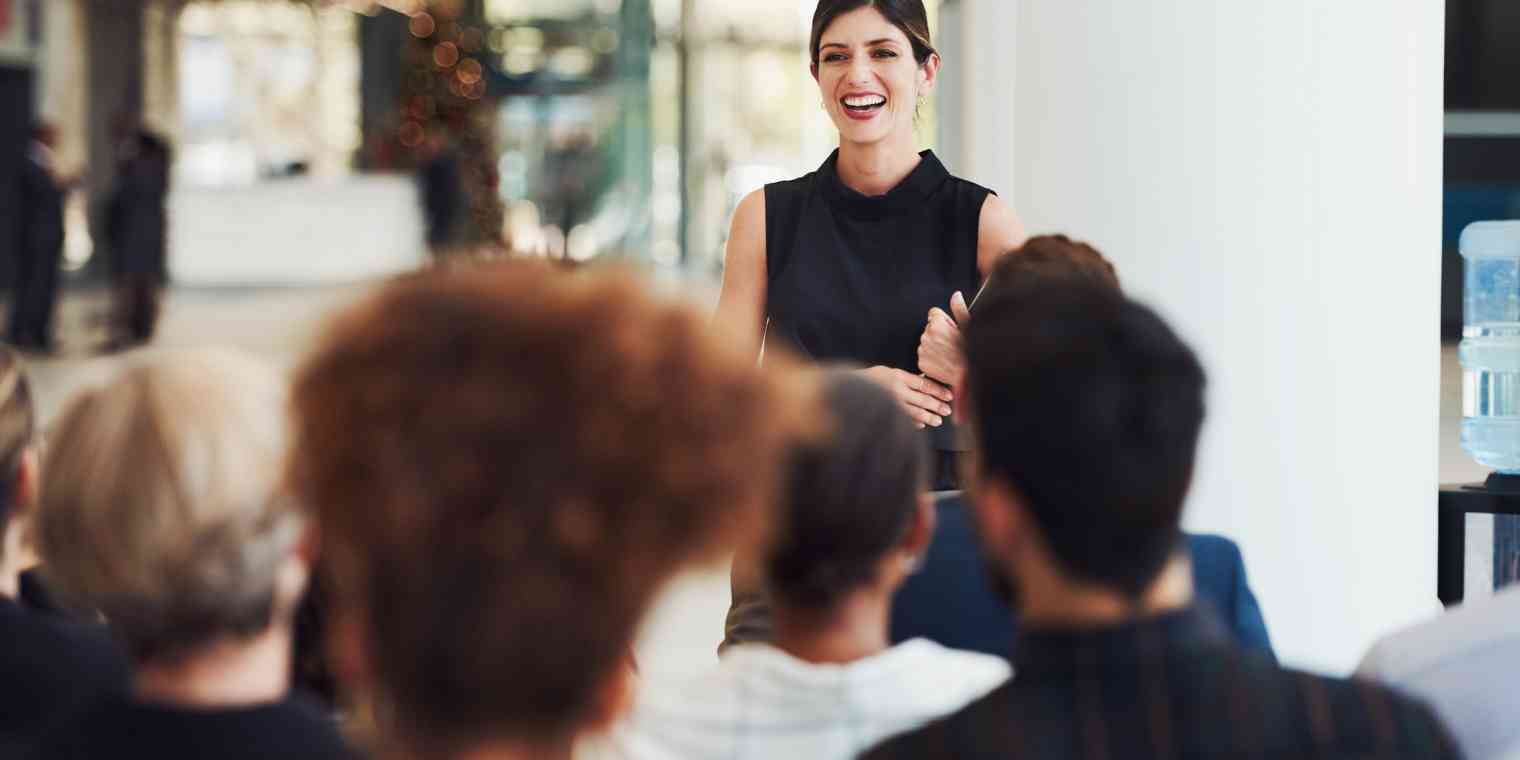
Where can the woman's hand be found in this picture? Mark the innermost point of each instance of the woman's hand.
(925, 400)
(940, 355)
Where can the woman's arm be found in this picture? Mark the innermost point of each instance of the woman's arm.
(939, 348)
(1000, 232)
(741, 305)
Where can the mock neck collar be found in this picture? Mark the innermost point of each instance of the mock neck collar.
(912, 190)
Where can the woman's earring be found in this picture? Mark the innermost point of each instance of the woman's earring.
(910, 564)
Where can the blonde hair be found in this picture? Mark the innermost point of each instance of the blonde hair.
(161, 501)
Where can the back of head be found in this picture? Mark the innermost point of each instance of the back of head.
(1050, 259)
(507, 461)
(161, 501)
(1089, 407)
(18, 427)
(850, 497)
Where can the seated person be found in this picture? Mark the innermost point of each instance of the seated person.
(951, 599)
(163, 509)
(1465, 663)
(954, 600)
(50, 666)
(854, 521)
(1085, 410)
(505, 478)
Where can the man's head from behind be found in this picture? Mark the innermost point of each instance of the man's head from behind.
(1052, 260)
(1086, 409)
(163, 504)
(506, 462)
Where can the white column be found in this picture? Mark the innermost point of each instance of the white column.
(1268, 174)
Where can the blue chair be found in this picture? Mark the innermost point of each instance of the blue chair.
(950, 600)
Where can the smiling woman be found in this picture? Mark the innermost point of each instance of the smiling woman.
(908, 16)
(865, 260)
(861, 260)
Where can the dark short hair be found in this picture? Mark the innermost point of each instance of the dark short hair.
(506, 462)
(907, 15)
(1089, 406)
(1049, 259)
(849, 498)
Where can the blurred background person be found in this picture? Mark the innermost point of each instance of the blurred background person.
(163, 508)
(35, 282)
(50, 667)
(853, 523)
(137, 237)
(489, 578)
(439, 186)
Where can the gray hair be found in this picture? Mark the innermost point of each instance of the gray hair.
(162, 504)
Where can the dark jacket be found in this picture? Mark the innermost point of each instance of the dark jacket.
(1173, 686)
(51, 668)
(137, 217)
(42, 227)
(951, 600)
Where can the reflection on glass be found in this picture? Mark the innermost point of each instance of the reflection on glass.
(265, 90)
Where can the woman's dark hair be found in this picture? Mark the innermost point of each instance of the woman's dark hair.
(907, 15)
(849, 498)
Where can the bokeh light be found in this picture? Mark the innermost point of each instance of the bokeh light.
(446, 55)
(422, 25)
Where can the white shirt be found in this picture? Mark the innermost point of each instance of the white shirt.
(760, 703)
(1466, 664)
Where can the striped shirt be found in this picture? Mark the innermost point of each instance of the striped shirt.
(1171, 687)
(760, 703)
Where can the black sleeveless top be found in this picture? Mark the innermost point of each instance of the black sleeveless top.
(851, 277)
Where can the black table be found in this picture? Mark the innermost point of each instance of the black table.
(1499, 495)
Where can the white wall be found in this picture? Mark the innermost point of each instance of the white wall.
(1268, 174)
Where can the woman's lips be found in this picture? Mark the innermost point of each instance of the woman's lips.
(862, 107)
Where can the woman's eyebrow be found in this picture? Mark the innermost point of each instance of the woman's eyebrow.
(882, 41)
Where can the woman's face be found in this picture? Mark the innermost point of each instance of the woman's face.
(868, 78)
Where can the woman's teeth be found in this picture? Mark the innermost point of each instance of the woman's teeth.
(864, 102)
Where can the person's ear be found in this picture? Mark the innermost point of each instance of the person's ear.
(928, 75)
(308, 547)
(813, 69)
(27, 485)
(617, 698)
(1001, 516)
(921, 530)
(348, 649)
(290, 583)
(962, 395)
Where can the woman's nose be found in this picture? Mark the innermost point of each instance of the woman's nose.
(860, 71)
